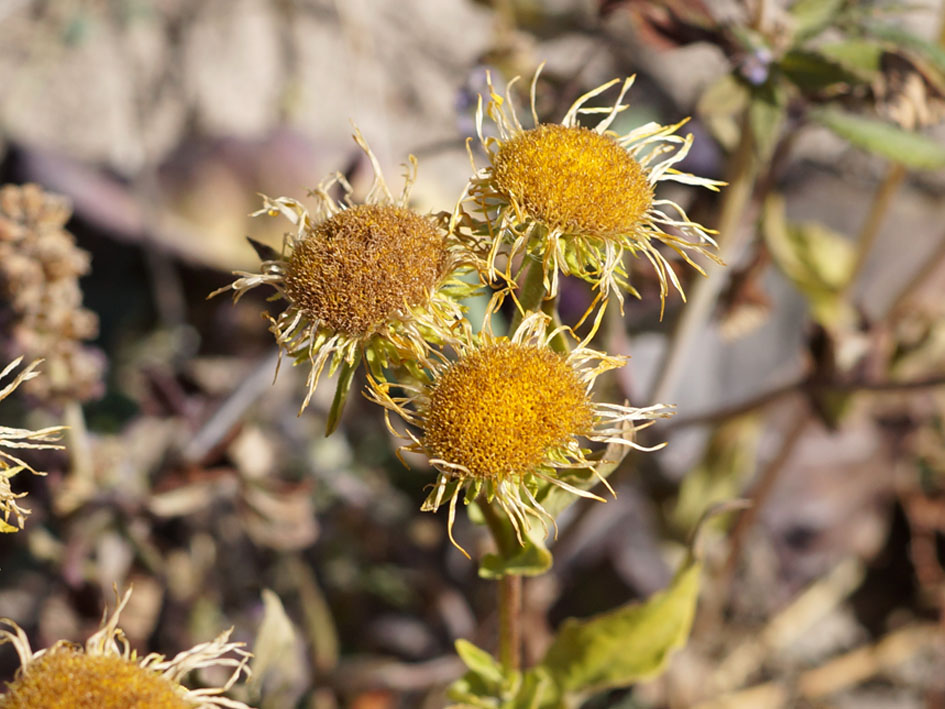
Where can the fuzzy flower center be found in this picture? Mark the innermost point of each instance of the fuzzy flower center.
(500, 410)
(361, 266)
(573, 180)
(66, 678)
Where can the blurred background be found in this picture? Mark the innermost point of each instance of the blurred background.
(808, 374)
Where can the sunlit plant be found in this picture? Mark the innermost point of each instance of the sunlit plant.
(511, 423)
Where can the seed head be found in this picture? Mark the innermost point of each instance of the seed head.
(357, 269)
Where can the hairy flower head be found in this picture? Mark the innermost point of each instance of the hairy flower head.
(374, 280)
(18, 439)
(579, 198)
(507, 416)
(107, 674)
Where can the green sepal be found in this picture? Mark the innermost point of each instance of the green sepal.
(531, 559)
(345, 379)
(884, 139)
(625, 645)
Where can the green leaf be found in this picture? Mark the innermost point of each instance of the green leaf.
(818, 261)
(766, 114)
(727, 463)
(811, 17)
(625, 645)
(345, 378)
(812, 72)
(885, 139)
(479, 662)
(859, 56)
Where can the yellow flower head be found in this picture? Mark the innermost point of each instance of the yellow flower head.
(507, 416)
(107, 674)
(578, 198)
(19, 438)
(375, 279)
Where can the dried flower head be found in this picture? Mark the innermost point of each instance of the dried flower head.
(375, 279)
(107, 674)
(578, 198)
(19, 438)
(42, 313)
(507, 416)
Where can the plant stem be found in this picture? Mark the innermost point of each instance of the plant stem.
(880, 205)
(510, 627)
(705, 291)
(510, 594)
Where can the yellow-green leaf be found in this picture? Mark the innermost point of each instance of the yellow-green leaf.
(818, 261)
(623, 646)
(884, 139)
(728, 461)
(813, 16)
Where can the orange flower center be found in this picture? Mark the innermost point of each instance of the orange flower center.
(573, 180)
(67, 678)
(501, 410)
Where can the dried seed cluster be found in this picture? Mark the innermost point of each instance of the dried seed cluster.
(43, 315)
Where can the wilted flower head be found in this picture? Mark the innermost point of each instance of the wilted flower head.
(578, 198)
(507, 416)
(19, 438)
(107, 674)
(376, 279)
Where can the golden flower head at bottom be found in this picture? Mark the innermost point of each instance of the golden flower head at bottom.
(107, 674)
(18, 439)
(507, 416)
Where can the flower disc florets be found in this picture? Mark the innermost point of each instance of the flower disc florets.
(500, 409)
(577, 199)
(357, 269)
(574, 180)
(375, 280)
(506, 418)
(106, 673)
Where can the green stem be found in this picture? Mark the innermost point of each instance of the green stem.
(510, 593)
(705, 291)
(510, 627)
(880, 206)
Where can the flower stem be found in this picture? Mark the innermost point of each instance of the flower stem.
(510, 627)
(880, 206)
(510, 593)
